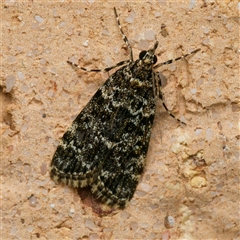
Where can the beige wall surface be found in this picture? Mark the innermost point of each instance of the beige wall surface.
(192, 171)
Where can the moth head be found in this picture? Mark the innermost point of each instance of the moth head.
(148, 57)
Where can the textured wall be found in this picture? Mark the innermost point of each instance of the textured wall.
(192, 171)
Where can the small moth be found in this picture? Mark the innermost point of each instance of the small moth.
(106, 146)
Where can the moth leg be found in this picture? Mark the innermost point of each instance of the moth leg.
(158, 81)
(176, 59)
(123, 35)
(125, 39)
(160, 96)
(100, 70)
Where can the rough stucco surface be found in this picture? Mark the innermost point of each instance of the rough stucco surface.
(192, 171)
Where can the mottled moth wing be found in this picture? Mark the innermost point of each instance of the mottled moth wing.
(106, 145)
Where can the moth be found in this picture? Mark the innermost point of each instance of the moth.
(106, 146)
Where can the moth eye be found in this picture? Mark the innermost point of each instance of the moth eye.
(154, 59)
(142, 54)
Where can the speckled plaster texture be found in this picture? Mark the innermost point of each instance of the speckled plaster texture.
(192, 171)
